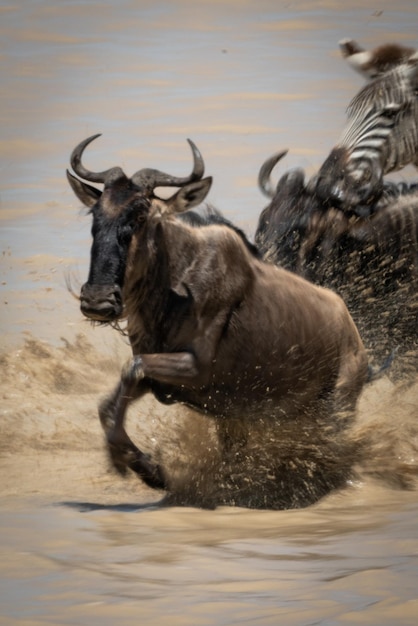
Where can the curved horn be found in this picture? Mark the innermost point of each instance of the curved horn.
(154, 178)
(80, 170)
(264, 181)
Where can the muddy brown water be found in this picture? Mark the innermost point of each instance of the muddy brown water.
(79, 544)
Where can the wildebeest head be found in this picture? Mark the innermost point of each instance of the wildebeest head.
(119, 211)
(282, 223)
(296, 224)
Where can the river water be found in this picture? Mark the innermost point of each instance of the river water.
(79, 544)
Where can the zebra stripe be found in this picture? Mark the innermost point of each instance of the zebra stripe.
(393, 87)
(382, 124)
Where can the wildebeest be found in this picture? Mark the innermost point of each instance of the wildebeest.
(213, 326)
(381, 133)
(371, 261)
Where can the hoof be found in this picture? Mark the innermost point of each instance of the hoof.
(126, 458)
(151, 474)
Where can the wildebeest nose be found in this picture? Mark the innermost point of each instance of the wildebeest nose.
(102, 303)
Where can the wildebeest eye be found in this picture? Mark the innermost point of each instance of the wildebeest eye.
(125, 232)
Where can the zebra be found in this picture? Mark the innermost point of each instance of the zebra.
(380, 136)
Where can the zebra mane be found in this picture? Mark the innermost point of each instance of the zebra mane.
(395, 87)
(385, 119)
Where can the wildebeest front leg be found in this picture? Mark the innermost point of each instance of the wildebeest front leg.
(123, 452)
(178, 369)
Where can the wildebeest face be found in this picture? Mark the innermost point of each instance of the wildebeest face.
(282, 223)
(116, 217)
(120, 211)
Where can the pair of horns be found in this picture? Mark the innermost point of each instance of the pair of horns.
(149, 178)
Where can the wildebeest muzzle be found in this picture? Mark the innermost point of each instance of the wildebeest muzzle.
(101, 303)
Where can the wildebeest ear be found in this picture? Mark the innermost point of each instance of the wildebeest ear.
(84, 192)
(189, 196)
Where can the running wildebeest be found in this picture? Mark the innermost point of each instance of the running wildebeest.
(371, 261)
(213, 326)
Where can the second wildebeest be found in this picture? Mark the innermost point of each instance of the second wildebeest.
(371, 260)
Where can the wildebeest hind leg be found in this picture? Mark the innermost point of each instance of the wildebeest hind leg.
(123, 452)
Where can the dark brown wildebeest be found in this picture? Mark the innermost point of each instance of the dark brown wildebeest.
(371, 261)
(211, 325)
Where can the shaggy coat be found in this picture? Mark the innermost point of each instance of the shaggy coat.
(210, 324)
